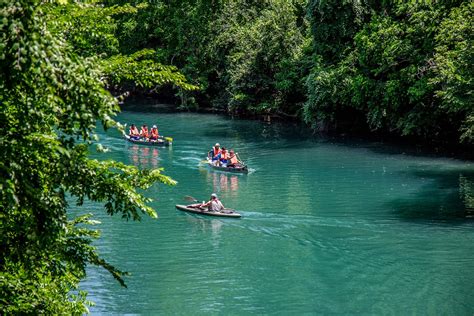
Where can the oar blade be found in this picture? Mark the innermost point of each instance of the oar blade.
(190, 198)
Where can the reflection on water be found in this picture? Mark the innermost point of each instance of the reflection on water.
(329, 228)
(466, 191)
(144, 157)
(205, 224)
(447, 195)
(223, 182)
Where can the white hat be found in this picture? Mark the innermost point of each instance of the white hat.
(214, 195)
(154, 126)
(217, 145)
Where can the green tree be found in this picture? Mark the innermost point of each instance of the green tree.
(93, 30)
(247, 56)
(264, 49)
(50, 102)
(453, 67)
(400, 68)
(334, 24)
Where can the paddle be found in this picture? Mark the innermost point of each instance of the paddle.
(240, 160)
(190, 198)
(205, 160)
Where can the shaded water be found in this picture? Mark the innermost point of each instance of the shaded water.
(328, 227)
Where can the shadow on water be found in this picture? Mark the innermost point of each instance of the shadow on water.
(260, 133)
(448, 197)
(297, 131)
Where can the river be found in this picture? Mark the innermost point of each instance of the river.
(329, 226)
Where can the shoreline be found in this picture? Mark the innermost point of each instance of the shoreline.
(411, 145)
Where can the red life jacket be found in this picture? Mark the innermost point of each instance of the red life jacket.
(154, 132)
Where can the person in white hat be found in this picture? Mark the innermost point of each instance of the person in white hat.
(215, 153)
(154, 133)
(214, 204)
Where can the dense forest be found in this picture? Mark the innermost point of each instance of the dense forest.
(400, 68)
(391, 67)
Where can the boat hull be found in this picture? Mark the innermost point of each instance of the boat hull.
(161, 142)
(242, 169)
(195, 210)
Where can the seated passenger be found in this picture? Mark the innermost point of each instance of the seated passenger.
(215, 153)
(144, 132)
(133, 133)
(224, 157)
(214, 205)
(154, 133)
(232, 161)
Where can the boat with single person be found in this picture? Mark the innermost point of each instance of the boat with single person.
(161, 141)
(197, 209)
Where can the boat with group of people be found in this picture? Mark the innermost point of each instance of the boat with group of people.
(218, 158)
(221, 159)
(147, 137)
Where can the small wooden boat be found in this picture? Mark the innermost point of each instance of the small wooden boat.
(198, 210)
(239, 168)
(161, 141)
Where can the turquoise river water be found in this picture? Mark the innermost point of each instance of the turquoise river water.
(329, 226)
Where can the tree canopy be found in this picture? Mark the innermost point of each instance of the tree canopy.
(403, 68)
(400, 68)
(51, 97)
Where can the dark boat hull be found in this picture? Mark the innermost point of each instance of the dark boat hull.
(159, 143)
(242, 169)
(226, 213)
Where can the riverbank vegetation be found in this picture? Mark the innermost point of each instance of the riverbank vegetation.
(51, 99)
(390, 67)
(394, 68)
(401, 68)
(404, 69)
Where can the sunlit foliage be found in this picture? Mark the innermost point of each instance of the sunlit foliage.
(50, 102)
(403, 68)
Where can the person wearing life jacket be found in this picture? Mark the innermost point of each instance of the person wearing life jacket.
(144, 131)
(224, 157)
(232, 161)
(215, 153)
(214, 204)
(133, 133)
(154, 133)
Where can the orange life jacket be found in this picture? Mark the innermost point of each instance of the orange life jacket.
(224, 155)
(134, 131)
(154, 132)
(233, 160)
(144, 132)
(216, 151)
